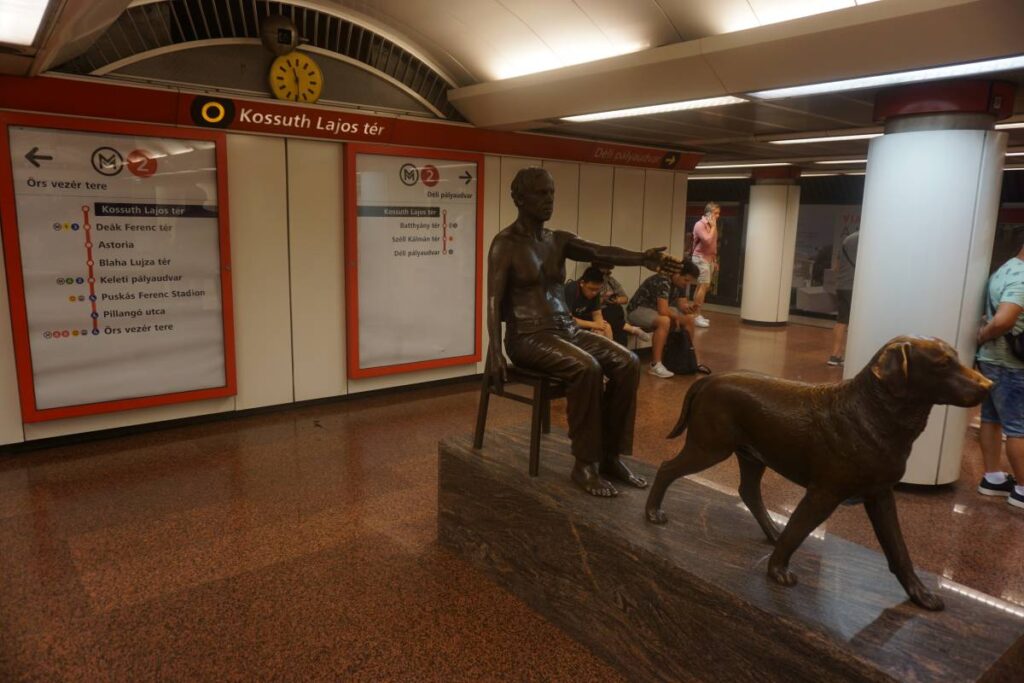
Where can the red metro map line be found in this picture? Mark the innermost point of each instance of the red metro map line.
(87, 226)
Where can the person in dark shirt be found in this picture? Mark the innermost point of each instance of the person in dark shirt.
(846, 263)
(584, 302)
(613, 299)
(660, 304)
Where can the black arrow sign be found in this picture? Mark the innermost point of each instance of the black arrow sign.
(467, 177)
(36, 158)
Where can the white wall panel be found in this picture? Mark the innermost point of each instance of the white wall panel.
(595, 214)
(679, 227)
(492, 200)
(657, 225)
(628, 220)
(259, 255)
(10, 406)
(315, 233)
(567, 195)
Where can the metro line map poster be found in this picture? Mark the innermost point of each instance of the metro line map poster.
(115, 240)
(413, 259)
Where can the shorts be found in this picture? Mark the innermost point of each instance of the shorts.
(646, 318)
(845, 297)
(1005, 401)
(705, 269)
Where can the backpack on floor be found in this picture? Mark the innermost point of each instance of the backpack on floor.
(679, 356)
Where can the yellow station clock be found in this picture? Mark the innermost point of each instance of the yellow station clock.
(296, 77)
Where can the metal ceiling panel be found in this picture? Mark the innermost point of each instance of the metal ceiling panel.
(876, 38)
(665, 74)
(494, 39)
(635, 21)
(695, 19)
(776, 11)
(487, 40)
(562, 34)
(879, 38)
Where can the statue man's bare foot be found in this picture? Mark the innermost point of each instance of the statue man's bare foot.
(616, 470)
(587, 477)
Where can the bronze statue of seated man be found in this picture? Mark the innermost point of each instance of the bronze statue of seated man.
(525, 290)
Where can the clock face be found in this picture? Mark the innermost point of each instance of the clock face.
(296, 77)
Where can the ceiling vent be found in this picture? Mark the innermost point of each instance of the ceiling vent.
(154, 26)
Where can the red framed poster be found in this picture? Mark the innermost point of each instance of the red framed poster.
(413, 258)
(118, 264)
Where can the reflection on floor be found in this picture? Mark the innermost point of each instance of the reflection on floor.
(301, 543)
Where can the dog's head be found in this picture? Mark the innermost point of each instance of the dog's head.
(927, 369)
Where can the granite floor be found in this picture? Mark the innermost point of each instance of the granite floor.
(301, 544)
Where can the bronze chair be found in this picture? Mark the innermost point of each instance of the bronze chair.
(545, 388)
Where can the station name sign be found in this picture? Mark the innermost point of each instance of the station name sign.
(271, 118)
(277, 119)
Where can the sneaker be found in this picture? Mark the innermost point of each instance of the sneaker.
(1004, 489)
(834, 361)
(701, 321)
(1015, 499)
(659, 370)
(644, 336)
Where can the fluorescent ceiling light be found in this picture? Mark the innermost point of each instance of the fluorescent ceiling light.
(752, 164)
(951, 71)
(827, 138)
(843, 161)
(744, 176)
(1008, 126)
(1014, 168)
(819, 175)
(1015, 154)
(656, 109)
(20, 19)
(854, 173)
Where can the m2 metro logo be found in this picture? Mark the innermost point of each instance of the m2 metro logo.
(213, 112)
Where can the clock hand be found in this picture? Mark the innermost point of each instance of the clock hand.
(297, 87)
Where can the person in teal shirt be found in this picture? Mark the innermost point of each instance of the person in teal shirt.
(1003, 410)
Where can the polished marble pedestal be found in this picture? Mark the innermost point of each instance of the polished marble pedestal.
(690, 600)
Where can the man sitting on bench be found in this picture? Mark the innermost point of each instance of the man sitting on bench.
(585, 305)
(660, 304)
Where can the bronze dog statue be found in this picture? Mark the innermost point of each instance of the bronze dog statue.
(836, 440)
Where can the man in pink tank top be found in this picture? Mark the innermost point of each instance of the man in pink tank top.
(705, 255)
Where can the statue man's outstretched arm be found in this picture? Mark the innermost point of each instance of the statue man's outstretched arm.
(499, 263)
(655, 259)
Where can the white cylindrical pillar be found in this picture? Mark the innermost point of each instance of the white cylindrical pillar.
(768, 255)
(928, 221)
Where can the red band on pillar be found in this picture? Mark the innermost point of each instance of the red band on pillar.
(775, 173)
(947, 97)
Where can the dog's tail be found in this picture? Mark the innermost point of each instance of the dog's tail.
(684, 415)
